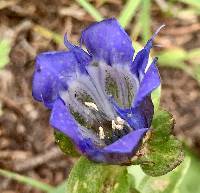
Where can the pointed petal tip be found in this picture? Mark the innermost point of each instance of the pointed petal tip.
(157, 31)
(150, 82)
(155, 60)
(67, 42)
(149, 44)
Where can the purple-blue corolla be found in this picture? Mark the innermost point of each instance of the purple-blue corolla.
(100, 98)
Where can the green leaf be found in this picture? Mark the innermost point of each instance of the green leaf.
(65, 144)
(90, 9)
(176, 58)
(155, 95)
(190, 182)
(163, 123)
(5, 47)
(90, 177)
(173, 58)
(26, 180)
(194, 53)
(193, 56)
(168, 183)
(163, 152)
(183, 179)
(128, 12)
(196, 72)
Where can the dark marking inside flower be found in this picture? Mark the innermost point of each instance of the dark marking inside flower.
(83, 97)
(79, 118)
(112, 87)
(90, 105)
(109, 134)
(95, 63)
(116, 134)
(130, 91)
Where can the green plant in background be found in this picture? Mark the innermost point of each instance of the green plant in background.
(178, 59)
(34, 183)
(128, 12)
(90, 9)
(89, 177)
(5, 47)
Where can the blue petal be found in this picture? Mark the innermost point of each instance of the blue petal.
(127, 144)
(146, 108)
(150, 82)
(81, 56)
(120, 152)
(62, 120)
(53, 71)
(137, 117)
(117, 153)
(142, 115)
(107, 41)
(141, 60)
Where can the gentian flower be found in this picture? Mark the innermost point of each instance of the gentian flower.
(99, 98)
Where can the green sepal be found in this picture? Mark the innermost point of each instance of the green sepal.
(162, 152)
(65, 144)
(169, 183)
(155, 95)
(90, 177)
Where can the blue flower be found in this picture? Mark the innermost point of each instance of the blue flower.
(100, 99)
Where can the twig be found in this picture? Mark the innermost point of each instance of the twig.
(12, 105)
(4, 3)
(38, 160)
(14, 155)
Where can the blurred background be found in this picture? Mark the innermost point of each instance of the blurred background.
(28, 27)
